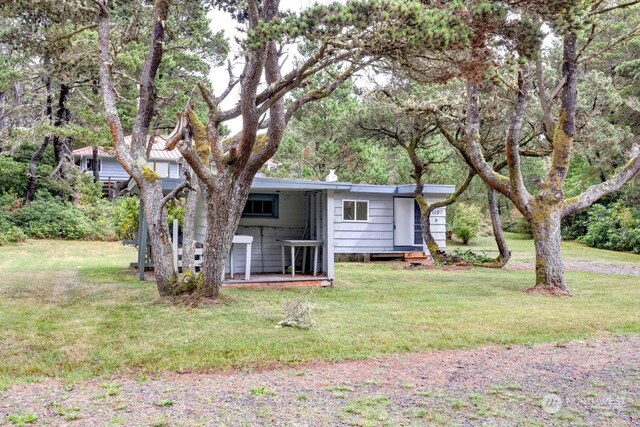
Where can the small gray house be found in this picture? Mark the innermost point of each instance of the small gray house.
(317, 222)
(111, 174)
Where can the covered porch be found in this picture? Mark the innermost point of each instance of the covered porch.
(282, 238)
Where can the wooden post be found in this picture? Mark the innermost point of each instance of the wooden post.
(175, 244)
(328, 248)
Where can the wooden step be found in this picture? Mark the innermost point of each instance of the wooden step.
(414, 256)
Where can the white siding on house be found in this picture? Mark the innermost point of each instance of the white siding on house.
(174, 170)
(266, 254)
(375, 236)
(112, 169)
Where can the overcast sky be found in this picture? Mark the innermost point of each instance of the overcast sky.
(220, 76)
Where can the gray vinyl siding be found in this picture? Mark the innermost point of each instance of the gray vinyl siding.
(173, 170)
(266, 254)
(376, 235)
(112, 169)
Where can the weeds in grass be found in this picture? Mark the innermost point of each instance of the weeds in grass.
(370, 408)
(513, 386)
(339, 387)
(116, 421)
(161, 421)
(111, 389)
(262, 391)
(264, 412)
(420, 413)
(459, 404)
(164, 403)
(68, 413)
(22, 419)
(297, 314)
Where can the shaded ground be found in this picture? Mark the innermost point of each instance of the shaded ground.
(585, 383)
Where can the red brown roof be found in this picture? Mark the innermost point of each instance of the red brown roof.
(158, 151)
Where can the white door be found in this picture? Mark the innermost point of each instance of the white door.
(403, 217)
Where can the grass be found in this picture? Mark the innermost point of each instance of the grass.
(72, 310)
(522, 249)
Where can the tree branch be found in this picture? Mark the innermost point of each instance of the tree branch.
(595, 192)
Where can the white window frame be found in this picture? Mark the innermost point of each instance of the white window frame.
(355, 210)
(86, 165)
(154, 165)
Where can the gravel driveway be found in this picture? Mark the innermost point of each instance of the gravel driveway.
(578, 383)
(587, 267)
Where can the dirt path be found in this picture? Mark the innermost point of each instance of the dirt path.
(587, 267)
(585, 383)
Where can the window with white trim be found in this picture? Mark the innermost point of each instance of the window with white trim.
(355, 210)
(90, 165)
(161, 168)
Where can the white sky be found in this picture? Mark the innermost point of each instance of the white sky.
(220, 76)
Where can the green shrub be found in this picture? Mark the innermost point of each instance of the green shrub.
(49, 217)
(9, 233)
(13, 178)
(466, 223)
(125, 217)
(613, 227)
(575, 226)
(100, 219)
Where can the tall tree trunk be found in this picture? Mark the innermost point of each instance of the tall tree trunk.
(35, 158)
(425, 221)
(224, 209)
(188, 235)
(96, 169)
(3, 120)
(18, 95)
(161, 247)
(504, 254)
(545, 225)
(426, 209)
(60, 143)
(33, 167)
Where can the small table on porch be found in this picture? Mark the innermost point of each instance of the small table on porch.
(315, 244)
(246, 240)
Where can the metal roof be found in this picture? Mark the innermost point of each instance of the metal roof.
(281, 184)
(158, 151)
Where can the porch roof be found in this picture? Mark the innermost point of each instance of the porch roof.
(277, 184)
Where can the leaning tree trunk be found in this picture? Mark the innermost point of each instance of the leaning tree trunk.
(425, 220)
(504, 254)
(545, 225)
(32, 175)
(161, 247)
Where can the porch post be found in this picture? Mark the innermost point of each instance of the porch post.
(328, 248)
(175, 244)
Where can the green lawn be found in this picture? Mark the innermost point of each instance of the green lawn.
(72, 310)
(522, 250)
